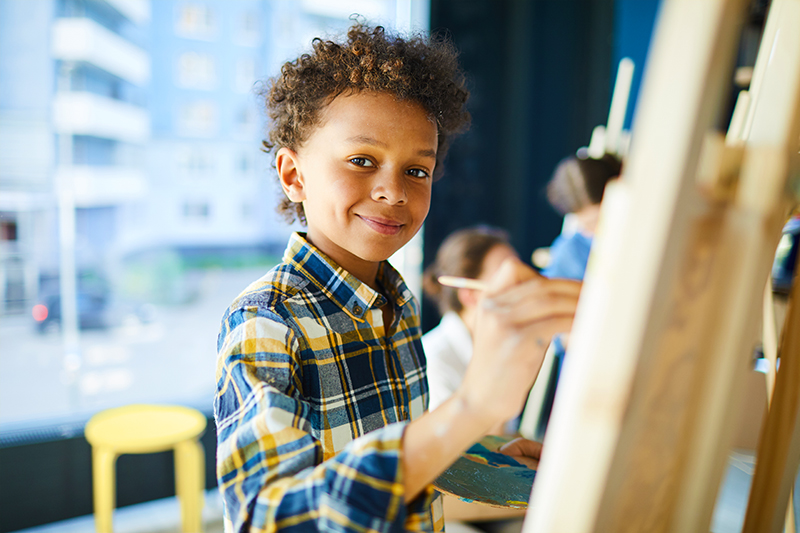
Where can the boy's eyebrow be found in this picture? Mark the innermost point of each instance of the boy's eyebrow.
(366, 139)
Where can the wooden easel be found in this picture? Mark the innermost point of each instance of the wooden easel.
(641, 427)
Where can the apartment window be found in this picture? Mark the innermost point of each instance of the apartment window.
(196, 71)
(196, 21)
(88, 78)
(195, 161)
(246, 121)
(196, 211)
(245, 75)
(95, 151)
(198, 118)
(248, 31)
(152, 265)
(245, 163)
(99, 12)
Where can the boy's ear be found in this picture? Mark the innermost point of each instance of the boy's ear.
(292, 183)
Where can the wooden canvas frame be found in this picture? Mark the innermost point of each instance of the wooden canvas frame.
(665, 330)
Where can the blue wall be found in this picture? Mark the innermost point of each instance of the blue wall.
(634, 21)
(541, 75)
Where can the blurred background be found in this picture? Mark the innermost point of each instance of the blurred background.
(135, 200)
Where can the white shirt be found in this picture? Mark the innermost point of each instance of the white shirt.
(448, 350)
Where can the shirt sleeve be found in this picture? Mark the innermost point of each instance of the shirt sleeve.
(270, 468)
(569, 255)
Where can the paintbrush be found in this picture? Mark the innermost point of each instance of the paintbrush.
(462, 283)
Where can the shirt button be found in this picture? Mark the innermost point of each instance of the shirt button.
(357, 309)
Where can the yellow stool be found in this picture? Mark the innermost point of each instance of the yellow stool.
(148, 429)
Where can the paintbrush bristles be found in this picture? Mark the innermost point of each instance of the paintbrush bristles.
(462, 283)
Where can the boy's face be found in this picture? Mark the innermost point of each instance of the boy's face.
(364, 176)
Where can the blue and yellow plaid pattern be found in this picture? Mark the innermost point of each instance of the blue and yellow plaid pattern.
(313, 398)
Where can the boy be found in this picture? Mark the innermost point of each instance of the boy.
(321, 384)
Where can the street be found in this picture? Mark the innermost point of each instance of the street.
(169, 360)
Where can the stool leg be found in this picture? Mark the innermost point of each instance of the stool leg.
(189, 483)
(103, 462)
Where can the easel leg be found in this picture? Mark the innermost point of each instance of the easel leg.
(771, 333)
(779, 448)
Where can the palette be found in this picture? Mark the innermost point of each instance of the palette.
(484, 475)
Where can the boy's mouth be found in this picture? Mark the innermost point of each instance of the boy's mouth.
(382, 225)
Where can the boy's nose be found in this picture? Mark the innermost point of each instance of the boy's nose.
(390, 187)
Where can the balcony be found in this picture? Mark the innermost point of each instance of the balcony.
(19, 201)
(82, 39)
(137, 11)
(84, 113)
(103, 186)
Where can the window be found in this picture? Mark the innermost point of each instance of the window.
(196, 71)
(158, 259)
(196, 211)
(196, 21)
(85, 77)
(245, 76)
(198, 119)
(195, 161)
(248, 31)
(246, 121)
(244, 163)
(96, 151)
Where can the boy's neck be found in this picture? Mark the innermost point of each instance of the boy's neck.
(364, 271)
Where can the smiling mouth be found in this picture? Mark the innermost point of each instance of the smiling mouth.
(382, 225)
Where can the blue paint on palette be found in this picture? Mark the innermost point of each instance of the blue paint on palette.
(486, 476)
(481, 454)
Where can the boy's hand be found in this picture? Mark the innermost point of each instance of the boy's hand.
(519, 314)
(523, 451)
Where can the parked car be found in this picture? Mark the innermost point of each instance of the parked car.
(98, 308)
(92, 311)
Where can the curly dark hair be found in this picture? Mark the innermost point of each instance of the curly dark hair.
(419, 69)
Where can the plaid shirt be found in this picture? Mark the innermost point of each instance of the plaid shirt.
(312, 401)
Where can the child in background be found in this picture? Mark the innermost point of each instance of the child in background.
(476, 253)
(576, 190)
(321, 382)
(468, 253)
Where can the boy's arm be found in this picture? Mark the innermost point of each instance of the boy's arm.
(270, 468)
(513, 330)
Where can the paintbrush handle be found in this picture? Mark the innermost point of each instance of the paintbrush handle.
(462, 283)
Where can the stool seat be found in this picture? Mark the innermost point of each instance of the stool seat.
(142, 428)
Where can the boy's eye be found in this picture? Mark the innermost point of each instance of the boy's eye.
(417, 173)
(362, 162)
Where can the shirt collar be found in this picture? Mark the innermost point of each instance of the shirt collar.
(353, 296)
